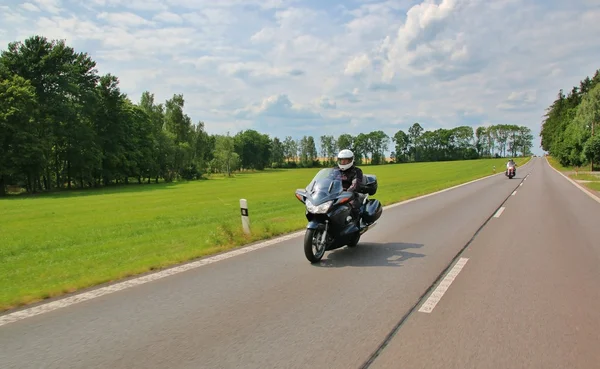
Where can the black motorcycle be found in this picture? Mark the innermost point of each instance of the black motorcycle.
(331, 224)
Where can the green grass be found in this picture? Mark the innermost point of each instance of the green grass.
(593, 185)
(57, 243)
(556, 164)
(585, 177)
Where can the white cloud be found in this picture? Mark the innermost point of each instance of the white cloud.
(140, 5)
(277, 106)
(168, 17)
(357, 65)
(50, 6)
(519, 100)
(326, 103)
(257, 72)
(126, 19)
(10, 18)
(297, 67)
(30, 7)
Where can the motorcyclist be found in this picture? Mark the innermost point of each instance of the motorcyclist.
(352, 178)
(511, 164)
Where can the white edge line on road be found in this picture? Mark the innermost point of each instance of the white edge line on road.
(514, 193)
(596, 198)
(441, 289)
(81, 297)
(499, 212)
(50, 306)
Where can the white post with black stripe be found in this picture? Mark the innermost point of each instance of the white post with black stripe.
(245, 218)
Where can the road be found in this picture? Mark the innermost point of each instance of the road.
(527, 297)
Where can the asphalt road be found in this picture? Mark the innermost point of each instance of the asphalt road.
(528, 295)
(529, 300)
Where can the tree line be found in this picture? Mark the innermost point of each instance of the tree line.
(569, 130)
(462, 143)
(62, 125)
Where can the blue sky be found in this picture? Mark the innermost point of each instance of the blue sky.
(293, 67)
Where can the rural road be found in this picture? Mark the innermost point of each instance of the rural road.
(527, 296)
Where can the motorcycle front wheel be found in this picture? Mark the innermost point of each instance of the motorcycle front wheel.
(313, 250)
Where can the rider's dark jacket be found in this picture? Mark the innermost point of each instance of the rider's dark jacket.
(352, 178)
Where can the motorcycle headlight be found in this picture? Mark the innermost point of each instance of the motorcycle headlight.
(319, 209)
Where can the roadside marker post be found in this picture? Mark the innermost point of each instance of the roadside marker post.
(245, 217)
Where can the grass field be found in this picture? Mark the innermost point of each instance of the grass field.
(593, 185)
(585, 177)
(56, 243)
(595, 178)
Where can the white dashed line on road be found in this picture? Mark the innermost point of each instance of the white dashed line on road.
(441, 289)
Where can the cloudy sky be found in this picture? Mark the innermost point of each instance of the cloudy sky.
(295, 67)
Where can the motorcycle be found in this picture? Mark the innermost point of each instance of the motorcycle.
(510, 172)
(331, 224)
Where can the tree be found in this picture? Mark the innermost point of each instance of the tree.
(525, 139)
(308, 152)
(379, 141)
(345, 141)
(591, 149)
(481, 144)
(253, 148)
(64, 87)
(290, 148)
(21, 149)
(328, 149)
(566, 128)
(463, 137)
(401, 142)
(226, 158)
(587, 116)
(277, 153)
(414, 135)
(361, 147)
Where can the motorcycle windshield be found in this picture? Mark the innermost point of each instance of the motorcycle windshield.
(326, 184)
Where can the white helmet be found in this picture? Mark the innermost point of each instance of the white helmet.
(346, 156)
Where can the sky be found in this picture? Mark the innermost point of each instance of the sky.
(314, 67)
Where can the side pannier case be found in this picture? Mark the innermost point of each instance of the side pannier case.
(373, 208)
(373, 211)
(369, 184)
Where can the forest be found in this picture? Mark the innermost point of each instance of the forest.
(63, 125)
(568, 128)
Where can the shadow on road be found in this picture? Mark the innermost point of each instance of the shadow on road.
(370, 254)
(518, 175)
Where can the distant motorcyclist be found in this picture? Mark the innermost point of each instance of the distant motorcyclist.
(511, 164)
(352, 178)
